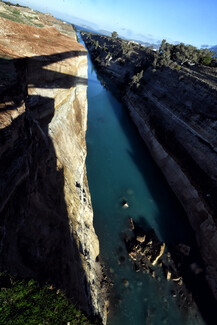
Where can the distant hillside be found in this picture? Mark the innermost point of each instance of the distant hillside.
(104, 32)
(108, 33)
(213, 48)
(91, 29)
(147, 44)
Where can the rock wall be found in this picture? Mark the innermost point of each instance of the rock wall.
(198, 213)
(175, 112)
(46, 217)
(175, 122)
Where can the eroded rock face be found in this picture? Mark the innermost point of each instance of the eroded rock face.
(175, 112)
(46, 222)
(181, 176)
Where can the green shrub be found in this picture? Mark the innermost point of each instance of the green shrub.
(206, 60)
(11, 17)
(105, 47)
(114, 34)
(15, 12)
(75, 29)
(39, 25)
(12, 4)
(28, 303)
(96, 45)
(181, 54)
(136, 79)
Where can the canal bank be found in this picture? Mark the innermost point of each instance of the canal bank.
(120, 169)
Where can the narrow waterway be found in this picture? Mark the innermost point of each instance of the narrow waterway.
(120, 167)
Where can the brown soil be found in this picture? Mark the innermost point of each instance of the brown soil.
(19, 40)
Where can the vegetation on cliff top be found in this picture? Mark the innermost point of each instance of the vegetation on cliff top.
(117, 49)
(15, 13)
(167, 55)
(26, 302)
(12, 4)
(183, 54)
(134, 59)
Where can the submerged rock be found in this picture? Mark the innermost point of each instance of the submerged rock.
(169, 275)
(131, 224)
(196, 269)
(162, 248)
(125, 204)
(121, 259)
(184, 249)
(125, 283)
(149, 254)
(141, 239)
(130, 191)
(146, 249)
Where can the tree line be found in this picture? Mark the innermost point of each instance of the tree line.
(183, 55)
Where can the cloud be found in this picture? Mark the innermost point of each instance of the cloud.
(205, 46)
(147, 38)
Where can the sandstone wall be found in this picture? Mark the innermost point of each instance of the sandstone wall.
(46, 223)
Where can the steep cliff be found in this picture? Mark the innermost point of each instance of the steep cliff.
(175, 112)
(46, 223)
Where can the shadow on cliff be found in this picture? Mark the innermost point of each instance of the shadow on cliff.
(35, 237)
(34, 71)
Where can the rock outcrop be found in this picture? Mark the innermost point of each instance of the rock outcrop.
(175, 112)
(151, 256)
(46, 223)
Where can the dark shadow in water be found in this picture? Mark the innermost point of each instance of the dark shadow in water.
(35, 238)
(176, 226)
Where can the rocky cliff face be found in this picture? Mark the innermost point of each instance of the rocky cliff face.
(46, 223)
(175, 112)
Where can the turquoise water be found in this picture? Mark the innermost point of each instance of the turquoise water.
(120, 167)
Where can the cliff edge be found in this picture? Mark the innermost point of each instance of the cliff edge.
(46, 223)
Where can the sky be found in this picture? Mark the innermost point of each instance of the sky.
(189, 21)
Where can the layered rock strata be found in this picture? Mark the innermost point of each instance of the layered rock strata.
(175, 112)
(46, 223)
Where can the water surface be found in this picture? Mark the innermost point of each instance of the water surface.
(120, 167)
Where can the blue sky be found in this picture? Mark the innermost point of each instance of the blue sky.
(189, 21)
